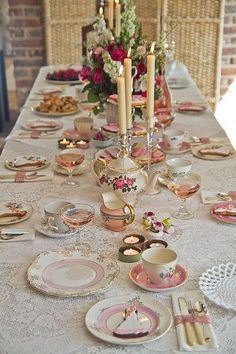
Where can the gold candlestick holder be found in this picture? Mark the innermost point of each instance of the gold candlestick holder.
(123, 145)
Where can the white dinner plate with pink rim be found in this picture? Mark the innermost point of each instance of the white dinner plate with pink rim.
(105, 316)
(196, 152)
(71, 272)
(8, 208)
(138, 277)
(42, 125)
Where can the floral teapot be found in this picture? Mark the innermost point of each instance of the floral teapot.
(123, 176)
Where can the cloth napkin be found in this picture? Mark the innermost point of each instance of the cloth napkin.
(195, 295)
(35, 134)
(30, 236)
(210, 197)
(21, 177)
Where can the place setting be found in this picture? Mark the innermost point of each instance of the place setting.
(14, 212)
(214, 152)
(39, 129)
(173, 142)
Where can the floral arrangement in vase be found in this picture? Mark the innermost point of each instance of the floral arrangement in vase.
(150, 223)
(107, 54)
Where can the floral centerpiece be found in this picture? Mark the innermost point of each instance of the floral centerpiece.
(107, 54)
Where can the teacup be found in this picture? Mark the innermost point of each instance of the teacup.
(159, 264)
(178, 167)
(117, 219)
(173, 138)
(53, 214)
(83, 125)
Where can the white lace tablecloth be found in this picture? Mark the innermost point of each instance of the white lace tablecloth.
(33, 323)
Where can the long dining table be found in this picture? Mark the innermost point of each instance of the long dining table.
(36, 323)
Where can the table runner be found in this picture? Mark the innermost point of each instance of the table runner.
(34, 323)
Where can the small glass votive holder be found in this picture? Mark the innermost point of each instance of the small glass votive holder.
(129, 254)
(63, 143)
(155, 243)
(134, 240)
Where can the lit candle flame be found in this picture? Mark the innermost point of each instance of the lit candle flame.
(152, 47)
(117, 2)
(131, 239)
(129, 53)
(101, 11)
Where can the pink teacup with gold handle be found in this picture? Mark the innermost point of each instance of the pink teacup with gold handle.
(115, 213)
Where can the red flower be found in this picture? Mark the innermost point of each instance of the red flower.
(144, 93)
(120, 183)
(85, 72)
(118, 54)
(130, 181)
(110, 47)
(141, 70)
(159, 80)
(98, 76)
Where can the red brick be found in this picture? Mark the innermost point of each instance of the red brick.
(20, 73)
(24, 83)
(36, 52)
(229, 50)
(36, 33)
(230, 29)
(33, 11)
(25, 2)
(233, 61)
(16, 33)
(29, 62)
(16, 11)
(229, 71)
(25, 22)
(229, 9)
(233, 40)
(17, 43)
(18, 52)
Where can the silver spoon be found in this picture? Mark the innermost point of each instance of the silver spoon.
(201, 310)
(224, 196)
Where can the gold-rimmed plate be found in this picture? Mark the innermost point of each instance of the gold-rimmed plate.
(41, 125)
(196, 152)
(71, 272)
(27, 163)
(14, 212)
(55, 114)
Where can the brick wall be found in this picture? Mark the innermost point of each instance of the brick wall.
(228, 72)
(25, 42)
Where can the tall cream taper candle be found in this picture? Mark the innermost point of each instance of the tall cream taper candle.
(118, 17)
(121, 104)
(150, 86)
(128, 89)
(111, 14)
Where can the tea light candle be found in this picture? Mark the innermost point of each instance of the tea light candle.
(129, 254)
(155, 243)
(134, 239)
(71, 145)
(82, 144)
(63, 143)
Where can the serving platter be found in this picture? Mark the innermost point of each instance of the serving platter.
(55, 114)
(71, 272)
(219, 285)
(196, 152)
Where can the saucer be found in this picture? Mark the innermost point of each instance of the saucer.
(224, 218)
(138, 277)
(43, 228)
(184, 147)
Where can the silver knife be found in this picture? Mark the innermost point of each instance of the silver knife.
(189, 330)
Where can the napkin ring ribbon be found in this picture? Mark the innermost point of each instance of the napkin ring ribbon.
(203, 319)
(20, 177)
(35, 134)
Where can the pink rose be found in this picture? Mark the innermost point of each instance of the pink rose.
(141, 50)
(98, 53)
(85, 72)
(120, 183)
(144, 93)
(130, 181)
(118, 54)
(98, 76)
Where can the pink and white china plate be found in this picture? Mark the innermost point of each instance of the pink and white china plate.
(224, 206)
(72, 134)
(138, 276)
(71, 272)
(42, 125)
(184, 147)
(106, 315)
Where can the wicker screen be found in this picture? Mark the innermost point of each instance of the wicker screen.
(63, 23)
(198, 39)
(149, 13)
